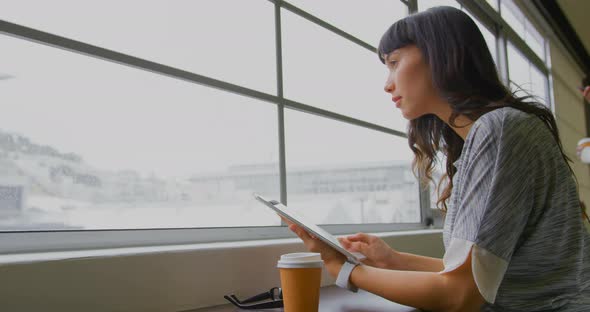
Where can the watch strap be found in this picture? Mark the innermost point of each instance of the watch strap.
(343, 279)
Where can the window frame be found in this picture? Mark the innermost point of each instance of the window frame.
(492, 19)
(59, 240)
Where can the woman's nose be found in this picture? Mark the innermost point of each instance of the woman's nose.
(389, 86)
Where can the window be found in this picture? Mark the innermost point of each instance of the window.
(332, 73)
(526, 77)
(523, 27)
(360, 19)
(344, 174)
(229, 39)
(424, 5)
(493, 4)
(90, 144)
(126, 129)
(539, 86)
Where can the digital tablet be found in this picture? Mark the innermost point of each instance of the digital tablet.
(296, 217)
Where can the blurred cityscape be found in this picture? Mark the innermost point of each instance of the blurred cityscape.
(42, 188)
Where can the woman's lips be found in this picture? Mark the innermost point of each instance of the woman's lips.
(397, 100)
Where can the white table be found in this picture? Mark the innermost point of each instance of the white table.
(335, 299)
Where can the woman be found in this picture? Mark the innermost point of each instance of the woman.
(513, 235)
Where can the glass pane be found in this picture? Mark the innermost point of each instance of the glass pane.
(513, 17)
(519, 70)
(90, 144)
(534, 40)
(493, 4)
(365, 21)
(339, 173)
(335, 74)
(522, 26)
(424, 5)
(539, 86)
(231, 40)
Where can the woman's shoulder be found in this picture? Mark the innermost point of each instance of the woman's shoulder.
(508, 122)
(505, 116)
(507, 127)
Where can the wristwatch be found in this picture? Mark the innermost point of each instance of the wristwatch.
(344, 276)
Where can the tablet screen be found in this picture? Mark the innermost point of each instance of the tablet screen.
(308, 223)
(310, 227)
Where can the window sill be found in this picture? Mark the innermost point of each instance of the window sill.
(33, 257)
(161, 278)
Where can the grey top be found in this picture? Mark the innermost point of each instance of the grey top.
(515, 200)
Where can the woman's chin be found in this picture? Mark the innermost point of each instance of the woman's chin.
(411, 115)
(407, 115)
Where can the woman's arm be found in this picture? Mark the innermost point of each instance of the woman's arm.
(452, 291)
(411, 262)
(381, 255)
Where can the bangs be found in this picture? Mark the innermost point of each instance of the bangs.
(399, 35)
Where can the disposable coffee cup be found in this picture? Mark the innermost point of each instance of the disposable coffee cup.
(583, 150)
(301, 274)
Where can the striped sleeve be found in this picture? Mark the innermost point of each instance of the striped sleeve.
(494, 200)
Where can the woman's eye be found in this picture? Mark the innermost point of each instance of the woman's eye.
(392, 63)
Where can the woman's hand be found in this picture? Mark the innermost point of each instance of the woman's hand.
(333, 260)
(378, 253)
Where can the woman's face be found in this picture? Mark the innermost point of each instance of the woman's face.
(410, 83)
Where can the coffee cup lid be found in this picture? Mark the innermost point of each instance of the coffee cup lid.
(301, 260)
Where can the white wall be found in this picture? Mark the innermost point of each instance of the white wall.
(569, 110)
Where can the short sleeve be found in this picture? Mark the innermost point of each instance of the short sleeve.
(488, 269)
(494, 200)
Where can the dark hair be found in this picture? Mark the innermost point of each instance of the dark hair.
(464, 74)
